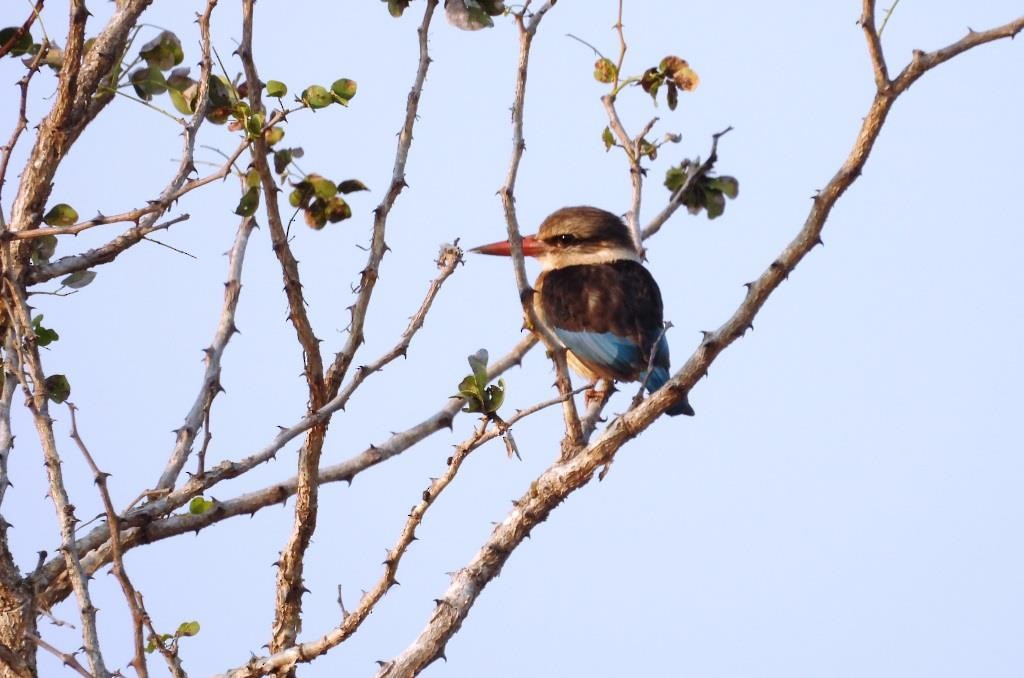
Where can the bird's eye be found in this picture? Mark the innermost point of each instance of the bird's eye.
(565, 239)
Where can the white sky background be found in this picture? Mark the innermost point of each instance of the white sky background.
(846, 502)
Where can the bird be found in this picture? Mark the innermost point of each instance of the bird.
(600, 301)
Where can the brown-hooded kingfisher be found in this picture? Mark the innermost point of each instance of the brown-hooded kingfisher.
(598, 298)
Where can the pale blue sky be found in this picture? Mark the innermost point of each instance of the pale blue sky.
(847, 501)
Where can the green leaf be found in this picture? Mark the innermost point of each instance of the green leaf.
(276, 88)
(343, 90)
(248, 203)
(163, 52)
(674, 178)
(605, 70)
(727, 185)
(322, 188)
(316, 97)
(651, 81)
(78, 279)
(478, 363)
(61, 215)
(200, 505)
(57, 388)
(469, 390)
(396, 7)
(21, 46)
(672, 95)
(148, 82)
(492, 7)
(351, 186)
(494, 396)
(315, 214)
(282, 159)
(254, 125)
(608, 139)
(336, 210)
(714, 203)
(43, 248)
(186, 629)
(648, 149)
(44, 335)
(273, 135)
(183, 91)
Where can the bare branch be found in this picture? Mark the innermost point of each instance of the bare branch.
(74, 107)
(30, 374)
(19, 126)
(226, 328)
(922, 62)
(867, 22)
(368, 276)
(351, 621)
(94, 547)
(139, 614)
(103, 254)
(66, 658)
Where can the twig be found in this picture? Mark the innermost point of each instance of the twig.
(139, 614)
(639, 397)
(351, 620)
(555, 484)
(33, 380)
(368, 276)
(226, 328)
(103, 254)
(94, 547)
(695, 173)
(888, 15)
(69, 660)
(19, 126)
(867, 22)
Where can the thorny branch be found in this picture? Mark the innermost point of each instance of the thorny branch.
(33, 381)
(555, 484)
(226, 328)
(351, 620)
(148, 522)
(140, 617)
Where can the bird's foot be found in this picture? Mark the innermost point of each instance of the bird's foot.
(595, 395)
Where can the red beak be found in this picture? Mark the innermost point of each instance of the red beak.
(531, 247)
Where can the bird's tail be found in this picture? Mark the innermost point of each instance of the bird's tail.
(657, 379)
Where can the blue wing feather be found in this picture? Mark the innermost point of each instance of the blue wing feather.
(611, 353)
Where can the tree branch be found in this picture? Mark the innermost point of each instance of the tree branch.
(351, 621)
(30, 374)
(147, 523)
(226, 328)
(867, 22)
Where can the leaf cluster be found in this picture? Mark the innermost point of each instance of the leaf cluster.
(167, 641)
(481, 397)
(705, 192)
(319, 201)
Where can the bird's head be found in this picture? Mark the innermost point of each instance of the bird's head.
(573, 236)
